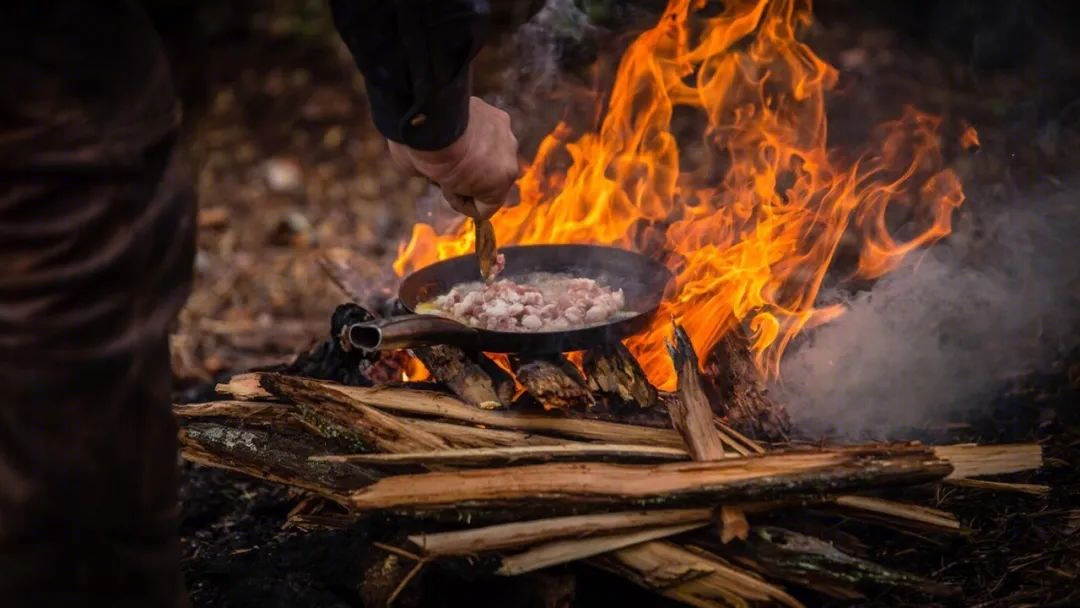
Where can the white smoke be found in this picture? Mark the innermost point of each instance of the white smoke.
(934, 338)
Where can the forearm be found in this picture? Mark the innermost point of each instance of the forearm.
(415, 57)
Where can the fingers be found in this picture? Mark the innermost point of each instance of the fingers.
(464, 205)
(477, 171)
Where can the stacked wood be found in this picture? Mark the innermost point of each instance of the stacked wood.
(678, 510)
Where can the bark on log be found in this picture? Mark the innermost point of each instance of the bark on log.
(814, 563)
(476, 379)
(338, 416)
(603, 452)
(614, 373)
(271, 456)
(281, 416)
(415, 402)
(739, 392)
(693, 577)
(589, 483)
(554, 382)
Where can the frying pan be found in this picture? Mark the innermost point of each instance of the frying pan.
(642, 280)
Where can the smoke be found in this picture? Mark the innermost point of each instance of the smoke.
(934, 339)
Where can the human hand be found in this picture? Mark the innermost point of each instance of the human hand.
(476, 171)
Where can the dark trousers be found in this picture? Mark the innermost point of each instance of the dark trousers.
(96, 251)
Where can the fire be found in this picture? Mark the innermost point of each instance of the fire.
(752, 215)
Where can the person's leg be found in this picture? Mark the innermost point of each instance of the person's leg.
(96, 247)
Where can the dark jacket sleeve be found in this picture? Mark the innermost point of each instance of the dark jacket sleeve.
(414, 55)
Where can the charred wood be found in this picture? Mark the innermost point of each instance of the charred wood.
(615, 374)
(476, 379)
(739, 394)
(554, 382)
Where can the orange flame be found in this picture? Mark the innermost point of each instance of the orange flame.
(752, 215)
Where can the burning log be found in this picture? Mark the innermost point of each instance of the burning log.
(573, 485)
(739, 391)
(554, 382)
(473, 377)
(614, 373)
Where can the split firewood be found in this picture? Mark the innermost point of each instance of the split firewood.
(896, 511)
(273, 456)
(613, 372)
(692, 416)
(338, 416)
(281, 415)
(463, 436)
(604, 452)
(692, 576)
(554, 382)
(970, 460)
(574, 485)
(473, 377)
(739, 391)
(416, 402)
(254, 412)
(522, 534)
(816, 564)
(566, 551)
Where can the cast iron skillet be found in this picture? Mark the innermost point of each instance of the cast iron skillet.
(642, 280)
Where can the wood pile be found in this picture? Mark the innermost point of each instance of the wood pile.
(660, 490)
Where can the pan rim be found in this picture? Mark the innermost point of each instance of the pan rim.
(620, 328)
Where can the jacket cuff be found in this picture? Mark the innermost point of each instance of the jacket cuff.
(433, 125)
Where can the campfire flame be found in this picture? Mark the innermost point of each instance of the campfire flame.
(752, 215)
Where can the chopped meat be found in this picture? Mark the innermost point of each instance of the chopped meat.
(536, 302)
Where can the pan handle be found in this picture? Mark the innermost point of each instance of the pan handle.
(394, 333)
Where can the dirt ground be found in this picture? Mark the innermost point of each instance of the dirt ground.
(286, 162)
